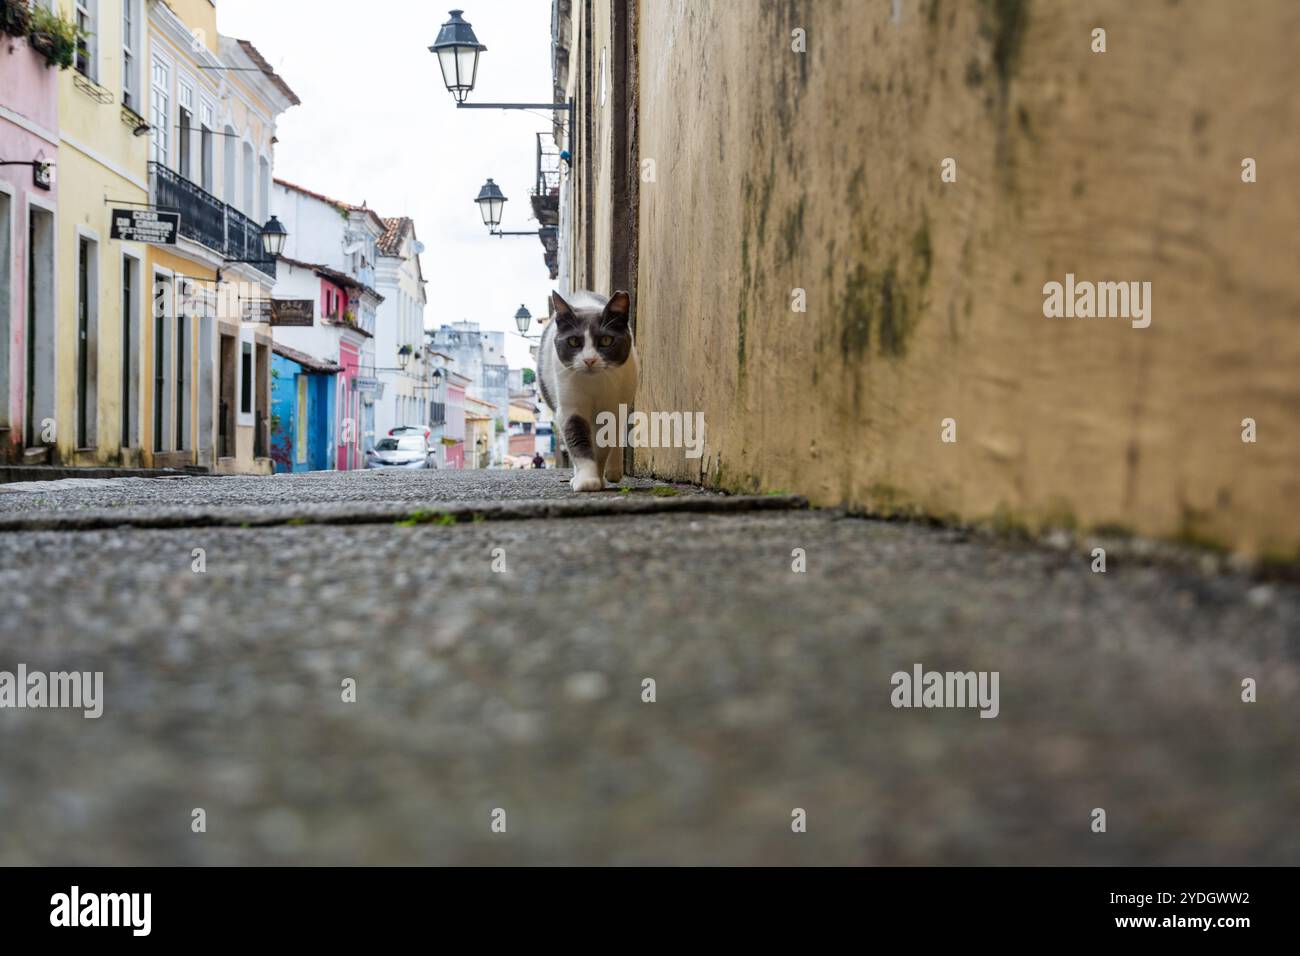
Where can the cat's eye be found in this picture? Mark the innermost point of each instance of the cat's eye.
(575, 342)
(606, 341)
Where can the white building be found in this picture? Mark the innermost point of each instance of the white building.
(399, 331)
(331, 249)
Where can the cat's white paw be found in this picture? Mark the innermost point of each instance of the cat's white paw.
(587, 483)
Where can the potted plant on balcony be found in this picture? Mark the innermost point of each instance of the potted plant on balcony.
(15, 18)
(350, 317)
(55, 38)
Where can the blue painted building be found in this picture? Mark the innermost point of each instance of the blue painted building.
(302, 410)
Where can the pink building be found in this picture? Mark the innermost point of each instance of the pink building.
(29, 139)
(454, 427)
(349, 405)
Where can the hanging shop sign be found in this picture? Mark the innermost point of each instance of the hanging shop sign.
(145, 225)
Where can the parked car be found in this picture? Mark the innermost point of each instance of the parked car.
(401, 451)
(424, 430)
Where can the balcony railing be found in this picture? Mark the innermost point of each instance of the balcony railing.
(205, 219)
(203, 215)
(244, 241)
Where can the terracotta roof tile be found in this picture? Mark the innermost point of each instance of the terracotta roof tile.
(390, 243)
(259, 61)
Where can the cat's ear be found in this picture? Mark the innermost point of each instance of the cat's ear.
(616, 310)
(564, 317)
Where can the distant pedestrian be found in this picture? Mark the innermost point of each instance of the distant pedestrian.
(538, 460)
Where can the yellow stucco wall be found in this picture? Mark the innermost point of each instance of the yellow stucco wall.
(180, 267)
(188, 259)
(200, 16)
(98, 158)
(820, 171)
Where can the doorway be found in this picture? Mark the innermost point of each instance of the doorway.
(226, 398)
(40, 328)
(130, 351)
(87, 340)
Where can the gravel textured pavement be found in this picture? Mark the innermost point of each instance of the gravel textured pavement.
(521, 689)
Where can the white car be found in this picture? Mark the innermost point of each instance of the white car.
(424, 430)
(401, 451)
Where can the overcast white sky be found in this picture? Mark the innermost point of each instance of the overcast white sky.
(377, 125)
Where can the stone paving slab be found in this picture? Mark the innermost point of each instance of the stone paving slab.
(260, 491)
(84, 505)
(522, 690)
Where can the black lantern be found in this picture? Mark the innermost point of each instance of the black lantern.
(273, 236)
(522, 318)
(458, 48)
(437, 377)
(404, 356)
(490, 202)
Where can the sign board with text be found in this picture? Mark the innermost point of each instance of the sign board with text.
(145, 225)
(291, 312)
(256, 309)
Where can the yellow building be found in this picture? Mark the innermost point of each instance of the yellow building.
(213, 102)
(156, 363)
(479, 423)
(100, 296)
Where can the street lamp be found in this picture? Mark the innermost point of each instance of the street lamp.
(522, 318)
(403, 357)
(457, 49)
(437, 377)
(490, 202)
(273, 236)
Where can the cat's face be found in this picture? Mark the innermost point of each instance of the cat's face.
(592, 333)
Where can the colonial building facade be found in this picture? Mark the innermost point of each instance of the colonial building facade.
(399, 334)
(29, 189)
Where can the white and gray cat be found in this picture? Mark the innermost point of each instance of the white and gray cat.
(587, 365)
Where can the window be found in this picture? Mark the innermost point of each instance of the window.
(205, 146)
(228, 173)
(185, 102)
(263, 190)
(85, 60)
(161, 113)
(246, 380)
(247, 209)
(130, 66)
(184, 144)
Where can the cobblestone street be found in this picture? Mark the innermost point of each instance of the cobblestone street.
(521, 689)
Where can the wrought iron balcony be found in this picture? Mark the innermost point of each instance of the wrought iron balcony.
(205, 219)
(203, 215)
